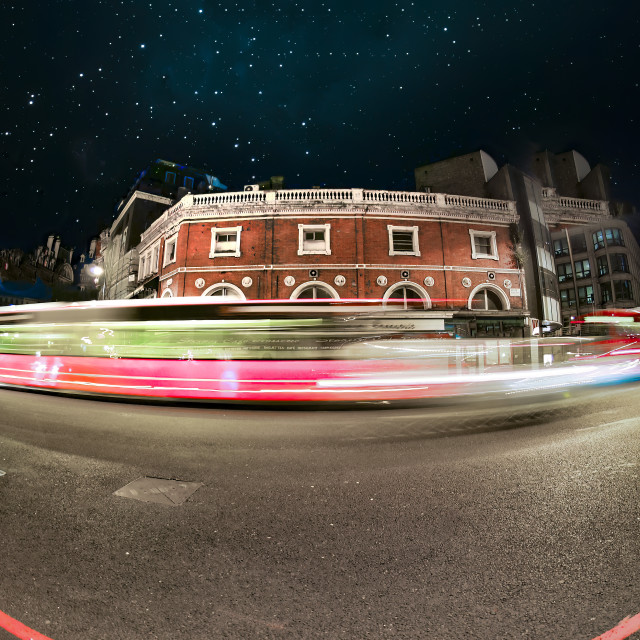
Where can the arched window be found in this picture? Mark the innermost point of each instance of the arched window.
(224, 290)
(487, 298)
(407, 295)
(315, 291)
(167, 293)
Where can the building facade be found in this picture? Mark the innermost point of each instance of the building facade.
(156, 189)
(450, 256)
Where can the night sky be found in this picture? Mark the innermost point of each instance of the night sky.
(342, 93)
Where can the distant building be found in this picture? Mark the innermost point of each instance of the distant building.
(563, 193)
(156, 189)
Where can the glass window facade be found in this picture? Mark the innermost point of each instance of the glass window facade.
(568, 297)
(585, 295)
(605, 290)
(560, 247)
(619, 263)
(565, 272)
(614, 237)
(602, 265)
(598, 240)
(622, 289)
(582, 269)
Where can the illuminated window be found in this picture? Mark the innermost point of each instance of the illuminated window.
(585, 295)
(314, 239)
(403, 241)
(614, 237)
(483, 244)
(582, 269)
(565, 272)
(560, 247)
(170, 250)
(598, 240)
(225, 241)
(568, 297)
(603, 266)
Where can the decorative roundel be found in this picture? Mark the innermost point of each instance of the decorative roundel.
(507, 284)
(429, 281)
(247, 281)
(289, 281)
(466, 282)
(339, 280)
(382, 280)
(169, 282)
(199, 283)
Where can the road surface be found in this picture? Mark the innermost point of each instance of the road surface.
(379, 523)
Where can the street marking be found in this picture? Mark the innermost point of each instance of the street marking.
(618, 423)
(18, 629)
(623, 629)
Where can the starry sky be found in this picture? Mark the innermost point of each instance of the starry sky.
(342, 93)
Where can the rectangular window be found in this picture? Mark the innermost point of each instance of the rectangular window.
(154, 260)
(578, 243)
(565, 272)
(614, 237)
(403, 241)
(598, 240)
(585, 295)
(314, 239)
(225, 241)
(188, 182)
(582, 269)
(622, 289)
(560, 247)
(170, 177)
(605, 290)
(568, 297)
(170, 250)
(619, 263)
(483, 244)
(603, 265)
(142, 268)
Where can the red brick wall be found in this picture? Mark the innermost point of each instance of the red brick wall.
(355, 240)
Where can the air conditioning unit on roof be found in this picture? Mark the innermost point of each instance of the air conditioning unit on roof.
(252, 187)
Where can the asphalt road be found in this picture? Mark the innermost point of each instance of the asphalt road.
(384, 523)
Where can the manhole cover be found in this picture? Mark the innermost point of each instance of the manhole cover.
(170, 492)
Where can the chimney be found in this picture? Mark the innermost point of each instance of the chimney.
(92, 248)
(50, 242)
(56, 247)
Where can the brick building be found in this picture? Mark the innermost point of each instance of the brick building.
(451, 255)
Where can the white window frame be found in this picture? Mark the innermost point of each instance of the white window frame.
(173, 240)
(215, 232)
(142, 266)
(474, 233)
(414, 231)
(155, 252)
(302, 228)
